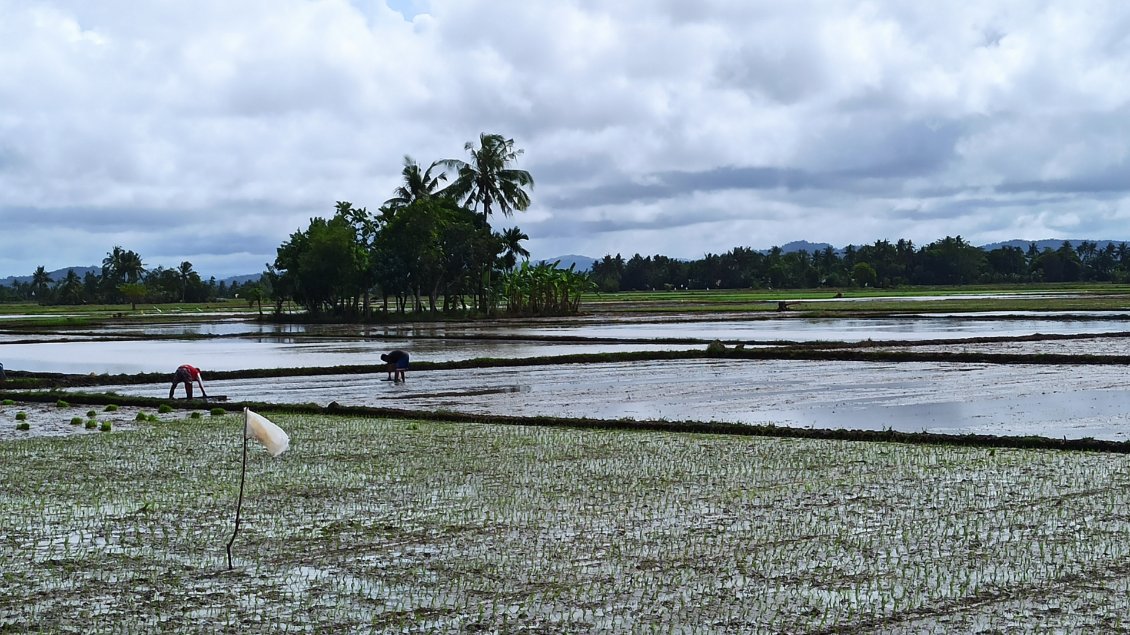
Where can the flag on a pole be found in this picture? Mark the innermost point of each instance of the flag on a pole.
(261, 429)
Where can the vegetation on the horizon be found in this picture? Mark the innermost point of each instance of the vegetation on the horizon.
(123, 279)
(427, 249)
(949, 261)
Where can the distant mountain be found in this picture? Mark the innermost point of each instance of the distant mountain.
(582, 263)
(56, 275)
(244, 279)
(803, 245)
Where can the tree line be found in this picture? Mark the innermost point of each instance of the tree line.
(429, 248)
(949, 261)
(124, 278)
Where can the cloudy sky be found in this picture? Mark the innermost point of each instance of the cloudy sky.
(210, 130)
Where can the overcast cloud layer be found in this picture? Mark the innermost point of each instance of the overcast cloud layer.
(209, 131)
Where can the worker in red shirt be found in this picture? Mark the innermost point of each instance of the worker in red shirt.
(186, 374)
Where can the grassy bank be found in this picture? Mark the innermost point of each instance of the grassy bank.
(417, 526)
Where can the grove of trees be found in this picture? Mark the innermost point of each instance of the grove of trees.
(949, 261)
(428, 248)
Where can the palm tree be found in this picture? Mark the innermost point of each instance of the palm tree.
(184, 271)
(132, 267)
(70, 289)
(417, 184)
(122, 264)
(488, 180)
(512, 247)
(39, 282)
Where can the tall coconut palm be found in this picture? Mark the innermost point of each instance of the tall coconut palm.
(512, 247)
(184, 272)
(122, 265)
(70, 289)
(417, 184)
(488, 182)
(39, 283)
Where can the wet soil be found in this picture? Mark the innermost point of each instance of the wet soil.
(1046, 400)
(50, 420)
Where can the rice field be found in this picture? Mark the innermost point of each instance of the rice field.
(397, 526)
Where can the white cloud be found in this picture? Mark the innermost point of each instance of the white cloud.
(210, 131)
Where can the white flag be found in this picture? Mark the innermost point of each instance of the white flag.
(260, 428)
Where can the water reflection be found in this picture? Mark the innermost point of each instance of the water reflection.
(760, 329)
(1056, 401)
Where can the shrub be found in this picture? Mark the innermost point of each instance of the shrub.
(21, 416)
(218, 412)
(76, 421)
(62, 404)
(23, 426)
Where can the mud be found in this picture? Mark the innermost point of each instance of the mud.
(50, 420)
(1056, 401)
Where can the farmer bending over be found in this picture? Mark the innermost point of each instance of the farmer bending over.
(396, 363)
(186, 375)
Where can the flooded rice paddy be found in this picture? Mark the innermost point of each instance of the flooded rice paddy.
(413, 527)
(1072, 401)
(1050, 400)
(150, 356)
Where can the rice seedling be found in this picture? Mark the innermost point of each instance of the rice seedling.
(218, 412)
(141, 416)
(195, 414)
(91, 424)
(91, 413)
(110, 408)
(23, 425)
(76, 421)
(62, 404)
(396, 526)
(21, 416)
(164, 409)
(105, 426)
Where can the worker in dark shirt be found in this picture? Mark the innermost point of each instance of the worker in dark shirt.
(396, 363)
